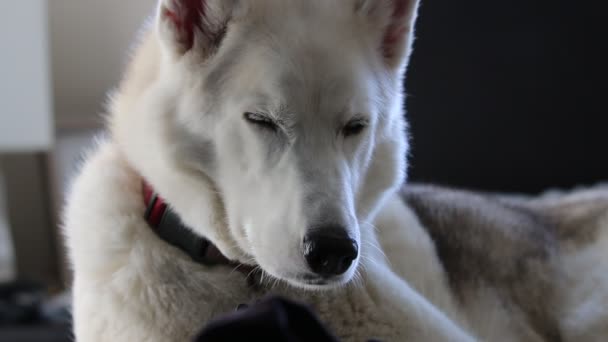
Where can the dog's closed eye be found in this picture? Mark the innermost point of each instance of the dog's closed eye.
(261, 121)
(354, 127)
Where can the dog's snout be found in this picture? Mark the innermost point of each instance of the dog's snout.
(330, 251)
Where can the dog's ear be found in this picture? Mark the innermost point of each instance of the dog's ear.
(397, 19)
(193, 25)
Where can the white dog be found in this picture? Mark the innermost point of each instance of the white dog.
(272, 132)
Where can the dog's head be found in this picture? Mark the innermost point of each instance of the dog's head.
(291, 112)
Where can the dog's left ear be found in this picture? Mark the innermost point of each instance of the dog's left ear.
(193, 25)
(397, 19)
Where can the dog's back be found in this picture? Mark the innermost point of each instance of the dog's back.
(542, 256)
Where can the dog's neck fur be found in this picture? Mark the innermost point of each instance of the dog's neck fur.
(207, 210)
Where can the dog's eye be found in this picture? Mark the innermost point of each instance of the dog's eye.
(354, 127)
(261, 120)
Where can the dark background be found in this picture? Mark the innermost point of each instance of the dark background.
(509, 95)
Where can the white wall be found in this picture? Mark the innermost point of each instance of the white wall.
(25, 111)
(90, 45)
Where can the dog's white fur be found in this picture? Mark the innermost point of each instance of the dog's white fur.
(312, 66)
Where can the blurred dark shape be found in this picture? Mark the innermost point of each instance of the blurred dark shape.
(28, 313)
(271, 319)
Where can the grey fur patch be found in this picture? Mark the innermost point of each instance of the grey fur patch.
(217, 76)
(277, 143)
(199, 153)
(483, 243)
(577, 218)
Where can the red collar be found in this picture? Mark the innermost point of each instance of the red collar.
(155, 206)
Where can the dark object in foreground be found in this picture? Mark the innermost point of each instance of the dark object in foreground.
(272, 319)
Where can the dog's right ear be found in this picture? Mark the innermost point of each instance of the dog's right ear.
(193, 25)
(397, 18)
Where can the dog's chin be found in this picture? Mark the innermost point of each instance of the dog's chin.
(322, 285)
(312, 282)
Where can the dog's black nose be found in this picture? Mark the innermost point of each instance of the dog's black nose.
(330, 251)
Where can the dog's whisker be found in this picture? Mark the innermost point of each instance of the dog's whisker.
(252, 272)
(356, 281)
(360, 279)
(378, 249)
(235, 268)
(243, 264)
(263, 277)
(371, 225)
(275, 283)
(367, 260)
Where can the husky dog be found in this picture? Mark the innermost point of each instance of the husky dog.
(274, 130)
